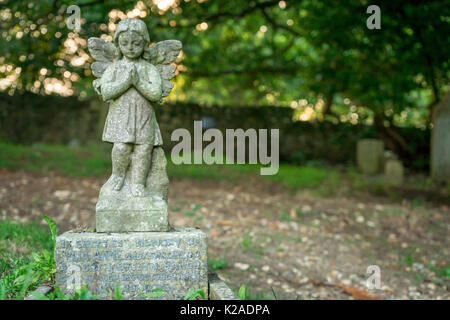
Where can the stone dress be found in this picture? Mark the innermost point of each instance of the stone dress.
(131, 117)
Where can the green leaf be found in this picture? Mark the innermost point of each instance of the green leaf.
(36, 257)
(217, 264)
(117, 293)
(242, 292)
(39, 295)
(274, 294)
(157, 292)
(193, 294)
(2, 291)
(84, 294)
(52, 225)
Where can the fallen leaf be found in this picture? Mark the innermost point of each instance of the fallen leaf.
(357, 293)
(228, 223)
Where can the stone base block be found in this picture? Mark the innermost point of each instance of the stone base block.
(218, 290)
(116, 214)
(138, 262)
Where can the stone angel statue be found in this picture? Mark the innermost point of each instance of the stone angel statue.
(133, 77)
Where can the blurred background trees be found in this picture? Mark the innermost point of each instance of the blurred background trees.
(315, 56)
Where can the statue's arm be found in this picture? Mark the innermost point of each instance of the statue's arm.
(151, 90)
(111, 88)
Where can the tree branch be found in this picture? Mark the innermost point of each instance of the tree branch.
(277, 25)
(227, 14)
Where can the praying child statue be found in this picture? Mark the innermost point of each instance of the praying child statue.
(133, 77)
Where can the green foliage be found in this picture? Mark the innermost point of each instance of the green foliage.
(117, 293)
(42, 267)
(17, 240)
(304, 177)
(73, 162)
(242, 294)
(194, 210)
(216, 264)
(53, 228)
(274, 294)
(321, 180)
(331, 55)
(155, 293)
(245, 293)
(443, 272)
(195, 294)
(3, 295)
(85, 294)
(25, 258)
(57, 294)
(39, 295)
(247, 241)
(285, 217)
(193, 213)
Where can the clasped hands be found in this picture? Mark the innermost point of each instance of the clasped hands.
(131, 76)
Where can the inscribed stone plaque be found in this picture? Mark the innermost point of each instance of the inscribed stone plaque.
(138, 262)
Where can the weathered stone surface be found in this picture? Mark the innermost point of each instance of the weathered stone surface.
(218, 290)
(369, 155)
(127, 214)
(138, 262)
(440, 142)
(133, 79)
(394, 172)
(120, 211)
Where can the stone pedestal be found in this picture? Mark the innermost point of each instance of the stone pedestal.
(120, 211)
(138, 262)
(127, 214)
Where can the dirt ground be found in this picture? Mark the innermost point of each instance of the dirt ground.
(302, 246)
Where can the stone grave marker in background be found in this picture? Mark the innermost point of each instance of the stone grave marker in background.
(394, 172)
(369, 155)
(440, 142)
(134, 246)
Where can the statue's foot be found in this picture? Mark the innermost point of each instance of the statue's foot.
(117, 182)
(137, 190)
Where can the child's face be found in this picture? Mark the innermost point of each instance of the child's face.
(131, 44)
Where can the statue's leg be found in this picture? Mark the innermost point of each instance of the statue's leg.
(142, 159)
(157, 179)
(120, 160)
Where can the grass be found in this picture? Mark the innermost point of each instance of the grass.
(24, 249)
(27, 261)
(95, 161)
(216, 264)
(246, 293)
(18, 240)
(87, 161)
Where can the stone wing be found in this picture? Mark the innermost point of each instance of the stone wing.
(104, 52)
(161, 55)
